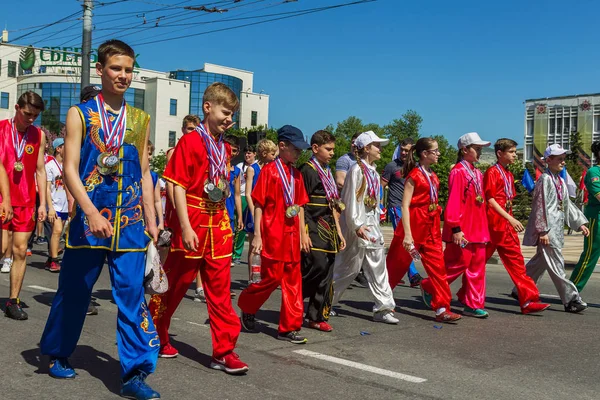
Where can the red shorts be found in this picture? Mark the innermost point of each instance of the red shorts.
(23, 220)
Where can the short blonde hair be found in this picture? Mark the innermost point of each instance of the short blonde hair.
(265, 146)
(194, 119)
(220, 93)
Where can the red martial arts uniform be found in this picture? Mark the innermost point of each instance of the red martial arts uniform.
(281, 249)
(503, 236)
(188, 168)
(425, 228)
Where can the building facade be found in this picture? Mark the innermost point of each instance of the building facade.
(555, 119)
(55, 73)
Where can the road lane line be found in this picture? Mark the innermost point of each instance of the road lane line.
(43, 289)
(363, 367)
(197, 324)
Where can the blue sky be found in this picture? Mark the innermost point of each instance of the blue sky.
(464, 65)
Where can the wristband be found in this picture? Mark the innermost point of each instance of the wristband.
(456, 229)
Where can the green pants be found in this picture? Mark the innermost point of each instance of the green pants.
(240, 236)
(588, 259)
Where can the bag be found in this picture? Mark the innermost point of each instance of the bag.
(164, 238)
(155, 281)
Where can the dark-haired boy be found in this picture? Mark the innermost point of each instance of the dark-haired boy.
(106, 171)
(324, 238)
(499, 189)
(279, 197)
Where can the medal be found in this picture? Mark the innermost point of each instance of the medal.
(508, 205)
(215, 186)
(373, 186)
(433, 207)
(19, 146)
(329, 185)
(559, 190)
(508, 189)
(108, 163)
(479, 199)
(337, 204)
(215, 194)
(18, 166)
(476, 182)
(292, 209)
(114, 135)
(433, 189)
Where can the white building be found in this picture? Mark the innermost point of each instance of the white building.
(54, 73)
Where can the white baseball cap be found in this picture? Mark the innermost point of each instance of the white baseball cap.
(471, 138)
(555, 150)
(368, 137)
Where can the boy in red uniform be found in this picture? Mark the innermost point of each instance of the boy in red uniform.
(279, 197)
(499, 189)
(198, 170)
(23, 161)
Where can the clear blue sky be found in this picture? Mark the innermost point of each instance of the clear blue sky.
(463, 65)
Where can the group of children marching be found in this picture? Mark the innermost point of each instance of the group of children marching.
(313, 240)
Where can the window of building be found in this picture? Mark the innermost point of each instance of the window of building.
(12, 69)
(4, 100)
(254, 118)
(173, 107)
(172, 138)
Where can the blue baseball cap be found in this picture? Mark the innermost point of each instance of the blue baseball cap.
(56, 143)
(293, 135)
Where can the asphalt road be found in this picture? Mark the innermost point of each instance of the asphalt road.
(508, 356)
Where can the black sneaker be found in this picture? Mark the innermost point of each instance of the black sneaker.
(15, 311)
(361, 281)
(514, 295)
(292, 337)
(576, 306)
(415, 280)
(248, 322)
(92, 310)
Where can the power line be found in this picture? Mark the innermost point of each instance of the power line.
(48, 25)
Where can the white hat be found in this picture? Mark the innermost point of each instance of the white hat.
(471, 138)
(368, 137)
(555, 150)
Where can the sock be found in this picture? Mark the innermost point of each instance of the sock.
(440, 310)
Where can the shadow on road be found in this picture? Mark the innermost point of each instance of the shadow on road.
(190, 352)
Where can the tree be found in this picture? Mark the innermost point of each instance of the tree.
(50, 122)
(409, 125)
(574, 166)
(442, 169)
(159, 162)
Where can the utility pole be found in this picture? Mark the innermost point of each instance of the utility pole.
(86, 45)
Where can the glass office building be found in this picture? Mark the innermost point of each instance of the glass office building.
(200, 80)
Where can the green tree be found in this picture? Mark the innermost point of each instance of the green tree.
(572, 163)
(522, 200)
(50, 122)
(409, 125)
(159, 162)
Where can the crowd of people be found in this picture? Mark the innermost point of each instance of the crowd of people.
(310, 232)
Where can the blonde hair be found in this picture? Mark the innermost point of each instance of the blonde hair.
(220, 93)
(265, 146)
(190, 118)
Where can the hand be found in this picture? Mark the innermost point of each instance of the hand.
(362, 232)
(458, 238)
(239, 224)
(52, 215)
(42, 213)
(100, 226)
(408, 242)
(6, 211)
(153, 232)
(256, 244)
(161, 227)
(544, 240)
(190, 239)
(305, 243)
(516, 224)
(585, 230)
(342, 241)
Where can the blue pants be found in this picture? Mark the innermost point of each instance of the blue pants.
(395, 215)
(137, 340)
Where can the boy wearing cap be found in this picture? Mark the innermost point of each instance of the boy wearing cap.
(499, 189)
(551, 210)
(360, 226)
(279, 198)
(58, 207)
(465, 226)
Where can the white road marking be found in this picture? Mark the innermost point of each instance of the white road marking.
(197, 324)
(552, 296)
(43, 289)
(363, 367)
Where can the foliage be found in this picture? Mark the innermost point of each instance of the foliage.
(50, 122)
(159, 162)
(442, 169)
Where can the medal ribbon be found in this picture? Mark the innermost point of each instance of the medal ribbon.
(216, 154)
(288, 187)
(58, 165)
(558, 186)
(507, 186)
(114, 132)
(326, 177)
(474, 176)
(19, 145)
(372, 181)
(433, 193)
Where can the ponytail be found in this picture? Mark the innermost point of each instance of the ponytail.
(363, 185)
(410, 163)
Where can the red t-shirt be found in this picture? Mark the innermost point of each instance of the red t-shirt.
(493, 187)
(22, 184)
(280, 235)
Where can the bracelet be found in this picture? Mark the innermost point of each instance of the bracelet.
(456, 229)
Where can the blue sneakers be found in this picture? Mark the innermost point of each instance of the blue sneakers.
(136, 388)
(61, 369)
(475, 312)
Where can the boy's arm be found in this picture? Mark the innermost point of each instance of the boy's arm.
(249, 179)
(490, 180)
(238, 203)
(336, 218)
(257, 240)
(99, 226)
(51, 210)
(148, 192)
(190, 239)
(6, 210)
(169, 185)
(41, 179)
(305, 242)
(158, 207)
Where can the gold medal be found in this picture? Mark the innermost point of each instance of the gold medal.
(508, 205)
(340, 206)
(432, 207)
(18, 166)
(561, 206)
(292, 211)
(479, 199)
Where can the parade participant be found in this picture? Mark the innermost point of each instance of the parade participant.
(419, 232)
(325, 238)
(23, 161)
(360, 226)
(240, 236)
(394, 179)
(551, 210)
(591, 246)
(58, 207)
(234, 201)
(465, 226)
(279, 197)
(499, 189)
(266, 151)
(199, 172)
(106, 172)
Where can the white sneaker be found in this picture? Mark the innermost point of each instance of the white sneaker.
(6, 265)
(199, 296)
(386, 317)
